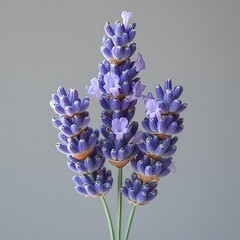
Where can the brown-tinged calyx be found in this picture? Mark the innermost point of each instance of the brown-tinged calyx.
(75, 114)
(145, 178)
(120, 164)
(161, 136)
(155, 157)
(83, 155)
(116, 61)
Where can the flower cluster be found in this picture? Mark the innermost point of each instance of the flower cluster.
(138, 192)
(79, 143)
(118, 89)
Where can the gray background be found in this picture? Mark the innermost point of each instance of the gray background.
(44, 44)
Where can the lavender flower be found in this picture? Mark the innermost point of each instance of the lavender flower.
(167, 125)
(119, 151)
(138, 88)
(115, 104)
(68, 103)
(153, 108)
(168, 98)
(97, 185)
(115, 47)
(79, 143)
(118, 154)
(107, 117)
(122, 78)
(82, 146)
(89, 165)
(137, 192)
(110, 136)
(119, 127)
(156, 148)
(72, 126)
(94, 88)
(126, 16)
(139, 64)
(118, 54)
(112, 84)
(149, 169)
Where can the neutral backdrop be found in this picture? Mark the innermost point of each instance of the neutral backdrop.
(45, 43)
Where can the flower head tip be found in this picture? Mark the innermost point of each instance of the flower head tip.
(126, 16)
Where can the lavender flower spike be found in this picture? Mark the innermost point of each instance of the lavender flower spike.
(119, 127)
(126, 16)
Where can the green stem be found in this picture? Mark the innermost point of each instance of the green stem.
(130, 222)
(119, 209)
(108, 215)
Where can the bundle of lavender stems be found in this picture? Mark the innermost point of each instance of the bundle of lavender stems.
(149, 151)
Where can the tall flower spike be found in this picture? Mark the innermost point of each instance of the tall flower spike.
(158, 145)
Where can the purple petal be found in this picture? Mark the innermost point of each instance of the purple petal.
(106, 52)
(108, 30)
(139, 64)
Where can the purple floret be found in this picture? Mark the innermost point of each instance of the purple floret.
(119, 127)
(112, 84)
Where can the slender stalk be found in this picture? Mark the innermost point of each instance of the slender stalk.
(130, 222)
(119, 209)
(108, 215)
